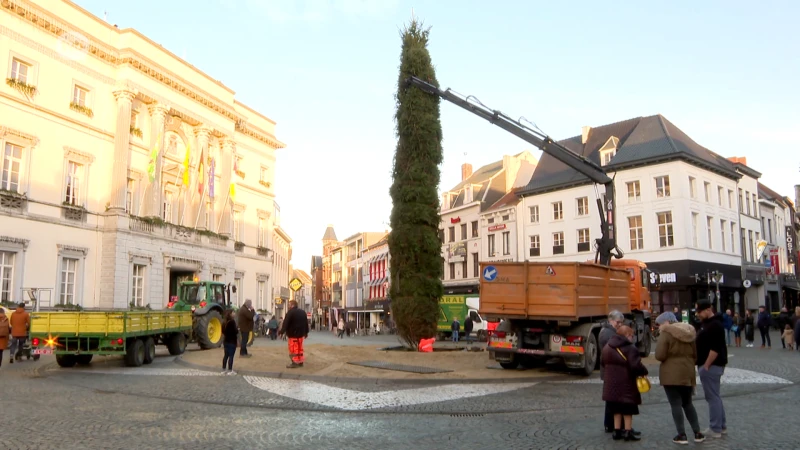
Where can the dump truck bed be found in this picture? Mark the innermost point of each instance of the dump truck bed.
(109, 323)
(553, 290)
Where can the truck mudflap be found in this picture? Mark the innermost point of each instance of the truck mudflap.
(556, 345)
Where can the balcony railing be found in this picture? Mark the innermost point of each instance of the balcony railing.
(156, 227)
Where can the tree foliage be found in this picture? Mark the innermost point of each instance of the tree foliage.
(414, 242)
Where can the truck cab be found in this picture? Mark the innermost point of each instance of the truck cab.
(640, 282)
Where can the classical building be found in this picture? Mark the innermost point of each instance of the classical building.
(355, 270)
(125, 169)
(460, 211)
(323, 276)
(677, 209)
(753, 271)
(777, 229)
(282, 248)
(303, 296)
(378, 280)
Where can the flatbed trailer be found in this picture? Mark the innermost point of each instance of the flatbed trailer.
(75, 337)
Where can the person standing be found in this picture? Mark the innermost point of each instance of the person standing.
(246, 314)
(764, 320)
(5, 332)
(468, 327)
(340, 327)
(231, 333)
(295, 327)
(272, 326)
(677, 352)
(623, 365)
(454, 327)
(712, 357)
(613, 322)
(783, 321)
(738, 324)
(20, 322)
(727, 323)
(749, 328)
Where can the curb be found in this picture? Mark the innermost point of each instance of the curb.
(375, 381)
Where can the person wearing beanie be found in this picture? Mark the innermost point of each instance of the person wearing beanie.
(712, 357)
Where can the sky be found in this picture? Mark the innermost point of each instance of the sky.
(725, 72)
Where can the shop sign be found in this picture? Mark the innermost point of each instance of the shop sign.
(657, 278)
(790, 247)
(501, 226)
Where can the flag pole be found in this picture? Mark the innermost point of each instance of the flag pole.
(224, 205)
(191, 200)
(141, 201)
(200, 207)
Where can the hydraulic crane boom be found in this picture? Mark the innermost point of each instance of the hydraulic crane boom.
(607, 244)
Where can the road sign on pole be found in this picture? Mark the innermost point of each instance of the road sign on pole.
(295, 284)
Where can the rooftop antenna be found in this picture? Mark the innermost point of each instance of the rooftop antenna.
(105, 16)
(412, 13)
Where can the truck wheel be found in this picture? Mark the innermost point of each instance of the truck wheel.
(510, 365)
(66, 360)
(83, 360)
(208, 330)
(134, 356)
(590, 354)
(481, 335)
(149, 350)
(176, 344)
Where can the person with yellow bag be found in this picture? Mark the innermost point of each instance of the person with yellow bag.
(677, 351)
(624, 380)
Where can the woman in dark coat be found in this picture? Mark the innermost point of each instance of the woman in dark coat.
(622, 365)
(749, 328)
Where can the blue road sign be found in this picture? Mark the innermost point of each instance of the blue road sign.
(489, 273)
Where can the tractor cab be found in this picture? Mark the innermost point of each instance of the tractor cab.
(208, 301)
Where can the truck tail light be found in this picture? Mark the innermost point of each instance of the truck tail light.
(575, 339)
(498, 334)
(203, 304)
(120, 341)
(35, 342)
(170, 304)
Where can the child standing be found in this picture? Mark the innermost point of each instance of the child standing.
(788, 337)
(231, 333)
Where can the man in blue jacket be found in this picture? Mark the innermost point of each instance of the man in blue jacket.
(763, 322)
(712, 357)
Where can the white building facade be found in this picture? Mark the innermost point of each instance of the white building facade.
(117, 172)
(754, 274)
(460, 210)
(676, 210)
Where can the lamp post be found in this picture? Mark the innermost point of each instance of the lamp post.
(716, 276)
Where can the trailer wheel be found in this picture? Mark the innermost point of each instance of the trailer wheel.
(590, 354)
(647, 343)
(134, 356)
(66, 360)
(83, 360)
(176, 344)
(149, 350)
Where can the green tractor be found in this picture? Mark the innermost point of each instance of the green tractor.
(208, 301)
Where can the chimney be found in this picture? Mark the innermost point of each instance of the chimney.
(738, 160)
(585, 134)
(466, 171)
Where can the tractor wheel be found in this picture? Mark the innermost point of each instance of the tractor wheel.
(66, 360)
(176, 344)
(149, 350)
(208, 330)
(134, 356)
(591, 354)
(84, 360)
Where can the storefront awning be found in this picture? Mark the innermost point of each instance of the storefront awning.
(791, 285)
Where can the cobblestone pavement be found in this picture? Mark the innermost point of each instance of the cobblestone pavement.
(168, 406)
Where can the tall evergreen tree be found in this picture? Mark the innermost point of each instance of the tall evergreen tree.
(414, 242)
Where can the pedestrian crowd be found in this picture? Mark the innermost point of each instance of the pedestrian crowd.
(238, 330)
(14, 333)
(685, 353)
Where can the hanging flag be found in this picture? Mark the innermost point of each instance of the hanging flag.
(201, 172)
(233, 191)
(186, 166)
(211, 168)
(151, 167)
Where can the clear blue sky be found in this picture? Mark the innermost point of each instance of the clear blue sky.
(726, 72)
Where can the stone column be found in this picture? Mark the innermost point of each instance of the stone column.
(158, 115)
(203, 134)
(226, 167)
(122, 139)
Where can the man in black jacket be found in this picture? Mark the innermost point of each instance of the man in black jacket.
(295, 327)
(712, 357)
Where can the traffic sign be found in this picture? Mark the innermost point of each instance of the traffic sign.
(295, 284)
(489, 273)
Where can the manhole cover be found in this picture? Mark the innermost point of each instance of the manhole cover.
(398, 367)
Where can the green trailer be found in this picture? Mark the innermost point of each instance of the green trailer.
(75, 337)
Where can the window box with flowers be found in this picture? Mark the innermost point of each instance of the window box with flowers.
(136, 132)
(238, 246)
(73, 212)
(13, 201)
(81, 109)
(25, 88)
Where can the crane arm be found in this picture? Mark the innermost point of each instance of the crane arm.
(606, 245)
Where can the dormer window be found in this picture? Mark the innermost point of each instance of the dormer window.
(468, 193)
(446, 200)
(608, 151)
